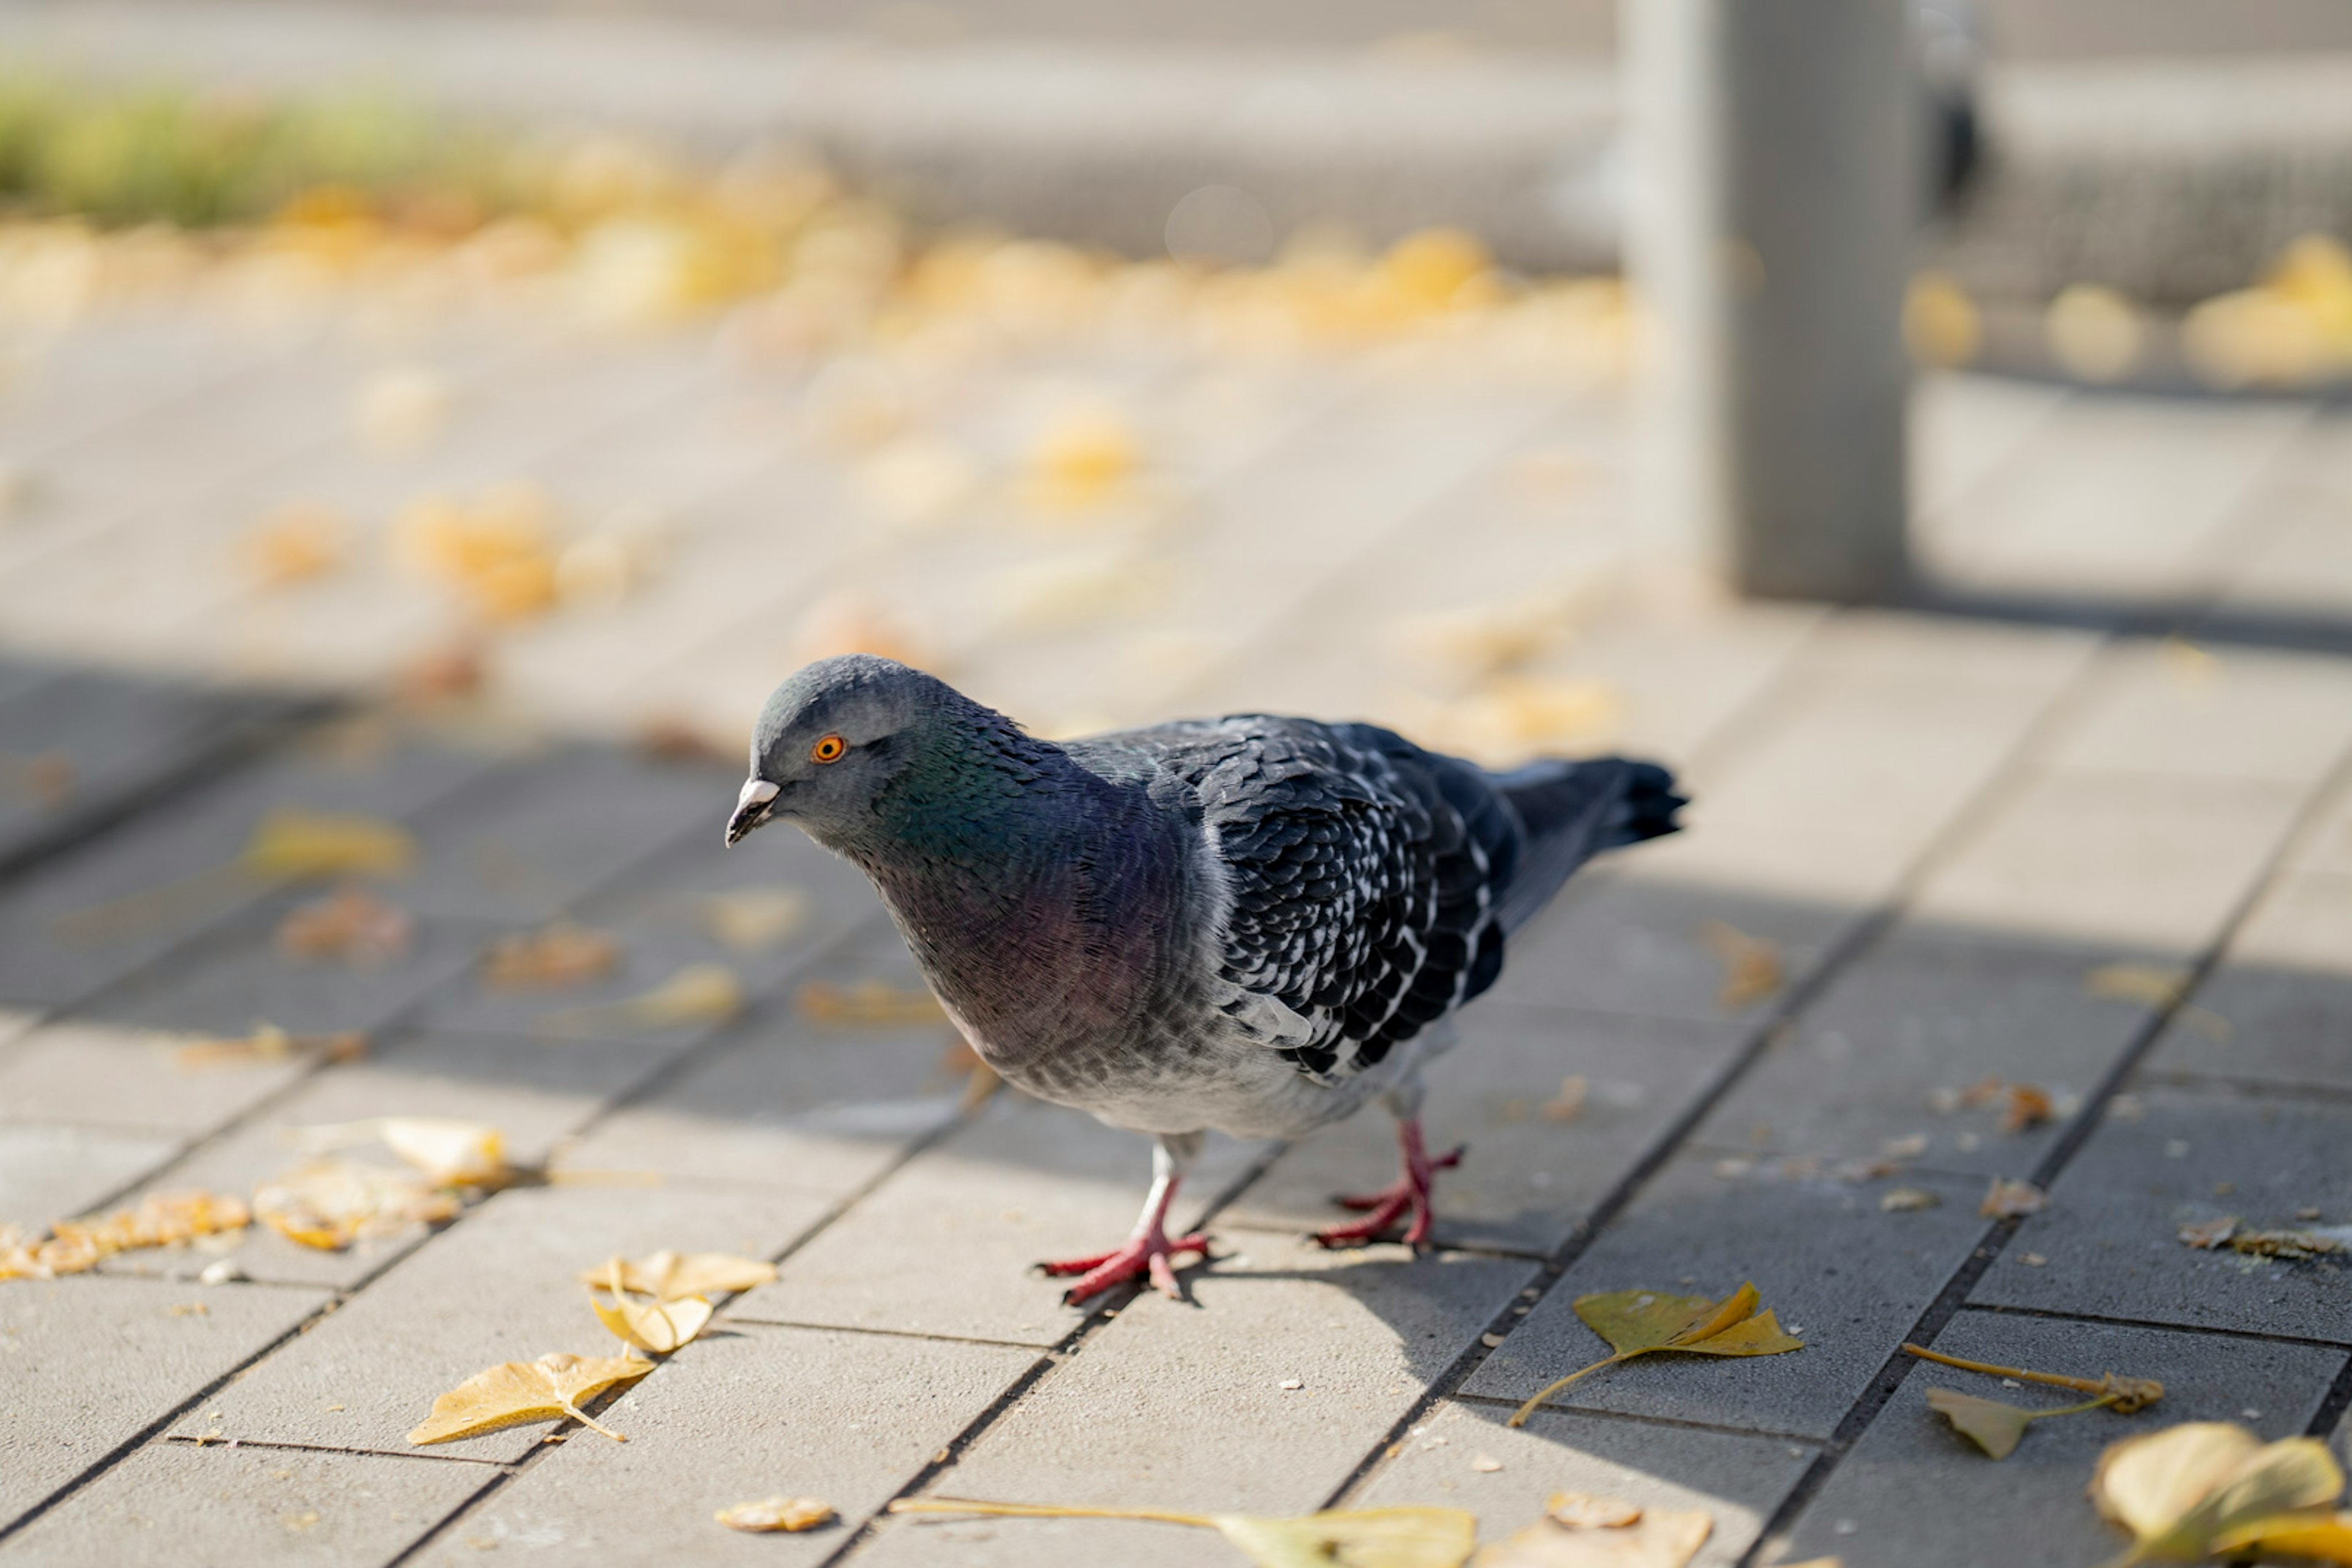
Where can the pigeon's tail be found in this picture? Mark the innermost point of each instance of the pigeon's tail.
(1573, 811)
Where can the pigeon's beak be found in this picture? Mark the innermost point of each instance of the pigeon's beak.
(751, 809)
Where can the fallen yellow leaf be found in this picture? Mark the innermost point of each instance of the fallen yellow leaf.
(753, 920)
(557, 955)
(2154, 985)
(660, 1325)
(268, 1043)
(1752, 970)
(1364, 1538)
(670, 1276)
(453, 1153)
(1579, 1531)
(2183, 1492)
(351, 924)
(291, 843)
(1638, 1322)
(330, 1204)
(871, 1004)
(786, 1513)
(554, 1385)
(75, 1247)
(2324, 1537)
(697, 993)
(295, 543)
(2009, 1197)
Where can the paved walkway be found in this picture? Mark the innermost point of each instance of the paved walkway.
(1943, 829)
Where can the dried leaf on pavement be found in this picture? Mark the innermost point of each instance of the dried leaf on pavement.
(350, 923)
(2029, 1105)
(697, 993)
(785, 1513)
(656, 1323)
(1752, 970)
(1581, 1531)
(268, 1043)
(2194, 1491)
(1352, 1538)
(1907, 1200)
(755, 920)
(1638, 1322)
(2009, 1197)
(553, 1386)
(295, 543)
(291, 843)
(670, 1276)
(330, 1204)
(2154, 985)
(555, 956)
(2206, 1234)
(870, 1003)
(450, 1151)
(1568, 1103)
(75, 1247)
(2126, 1394)
(2313, 1241)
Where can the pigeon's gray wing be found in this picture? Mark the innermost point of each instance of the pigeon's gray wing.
(1363, 878)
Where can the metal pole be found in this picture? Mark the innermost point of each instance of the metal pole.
(1768, 236)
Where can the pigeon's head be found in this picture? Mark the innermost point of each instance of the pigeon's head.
(832, 737)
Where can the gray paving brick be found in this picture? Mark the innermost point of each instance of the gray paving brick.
(1915, 1494)
(228, 982)
(110, 1075)
(944, 1246)
(523, 845)
(77, 924)
(793, 1102)
(1738, 1480)
(181, 1504)
(2110, 1230)
(49, 1172)
(2128, 859)
(499, 1286)
(2279, 1007)
(745, 1412)
(1638, 944)
(1931, 1009)
(1847, 1278)
(1528, 1180)
(1145, 1414)
(2234, 713)
(100, 1359)
(535, 1094)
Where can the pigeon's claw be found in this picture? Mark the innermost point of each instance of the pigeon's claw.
(1411, 1190)
(1152, 1254)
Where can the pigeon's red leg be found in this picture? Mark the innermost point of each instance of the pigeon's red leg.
(1150, 1251)
(1410, 1190)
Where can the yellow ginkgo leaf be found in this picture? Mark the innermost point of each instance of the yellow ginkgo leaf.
(553, 956)
(2181, 1490)
(659, 1326)
(1593, 1534)
(293, 844)
(785, 1513)
(330, 1204)
(669, 1276)
(2322, 1537)
(454, 1153)
(697, 993)
(554, 1385)
(1352, 1538)
(1637, 1323)
(1995, 1427)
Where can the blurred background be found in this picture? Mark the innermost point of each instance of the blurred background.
(590, 366)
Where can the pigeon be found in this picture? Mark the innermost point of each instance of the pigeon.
(1252, 923)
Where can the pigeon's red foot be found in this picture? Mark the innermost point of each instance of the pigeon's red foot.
(1411, 1190)
(1148, 1253)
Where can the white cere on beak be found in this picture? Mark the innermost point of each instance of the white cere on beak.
(756, 792)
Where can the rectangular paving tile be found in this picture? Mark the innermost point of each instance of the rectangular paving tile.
(1847, 1278)
(535, 1094)
(1915, 1494)
(945, 1245)
(1931, 1010)
(2110, 1231)
(744, 1413)
(1146, 1413)
(499, 1286)
(269, 1508)
(2279, 1007)
(86, 1071)
(2129, 859)
(49, 1172)
(2230, 713)
(1531, 1174)
(143, 887)
(1444, 1461)
(99, 1359)
(1651, 944)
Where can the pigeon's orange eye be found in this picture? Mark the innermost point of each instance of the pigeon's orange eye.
(828, 750)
